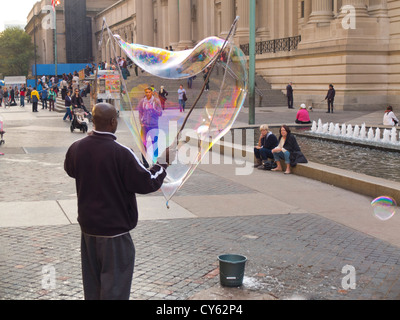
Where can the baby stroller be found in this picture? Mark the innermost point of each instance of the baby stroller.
(79, 120)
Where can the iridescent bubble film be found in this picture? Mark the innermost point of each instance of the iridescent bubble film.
(384, 208)
(219, 90)
(173, 64)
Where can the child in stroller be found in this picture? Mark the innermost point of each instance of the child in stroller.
(79, 120)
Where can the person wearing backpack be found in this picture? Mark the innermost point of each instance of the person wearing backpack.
(182, 98)
(35, 99)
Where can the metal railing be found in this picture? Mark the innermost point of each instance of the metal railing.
(276, 45)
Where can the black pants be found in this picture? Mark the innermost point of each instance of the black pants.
(290, 102)
(330, 105)
(44, 103)
(34, 106)
(263, 154)
(107, 267)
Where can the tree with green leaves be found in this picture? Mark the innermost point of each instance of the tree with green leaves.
(16, 52)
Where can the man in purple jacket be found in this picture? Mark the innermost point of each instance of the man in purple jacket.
(108, 175)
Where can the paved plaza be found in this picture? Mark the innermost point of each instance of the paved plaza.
(301, 236)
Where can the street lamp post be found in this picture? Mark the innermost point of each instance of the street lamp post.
(252, 63)
(34, 42)
(55, 42)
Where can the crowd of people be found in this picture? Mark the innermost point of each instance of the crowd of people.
(48, 89)
(121, 63)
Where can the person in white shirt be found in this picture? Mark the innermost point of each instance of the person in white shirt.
(181, 98)
(389, 118)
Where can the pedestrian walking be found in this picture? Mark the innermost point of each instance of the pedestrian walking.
(68, 106)
(12, 97)
(22, 93)
(289, 95)
(1, 97)
(124, 68)
(28, 94)
(44, 97)
(64, 88)
(205, 76)
(162, 94)
(182, 98)
(107, 208)
(330, 97)
(190, 82)
(75, 82)
(5, 97)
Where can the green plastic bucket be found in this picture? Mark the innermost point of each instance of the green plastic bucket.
(231, 269)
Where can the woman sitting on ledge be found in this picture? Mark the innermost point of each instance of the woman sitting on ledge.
(288, 150)
(389, 118)
(303, 116)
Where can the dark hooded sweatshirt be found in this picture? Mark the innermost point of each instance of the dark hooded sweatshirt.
(108, 175)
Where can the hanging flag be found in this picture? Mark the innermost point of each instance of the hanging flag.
(55, 3)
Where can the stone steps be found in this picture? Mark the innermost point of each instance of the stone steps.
(265, 96)
(269, 97)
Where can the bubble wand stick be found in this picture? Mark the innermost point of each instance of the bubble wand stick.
(218, 56)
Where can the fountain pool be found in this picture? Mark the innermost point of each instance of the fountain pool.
(370, 161)
(374, 152)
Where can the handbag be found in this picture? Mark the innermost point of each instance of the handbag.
(184, 97)
(269, 165)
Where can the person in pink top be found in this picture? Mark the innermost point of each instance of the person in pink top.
(303, 116)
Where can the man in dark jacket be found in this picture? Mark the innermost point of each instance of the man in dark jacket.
(108, 175)
(289, 95)
(12, 96)
(331, 98)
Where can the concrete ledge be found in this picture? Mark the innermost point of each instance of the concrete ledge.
(348, 180)
(352, 181)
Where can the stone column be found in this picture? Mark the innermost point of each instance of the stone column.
(307, 10)
(164, 22)
(227, 16)
(139, 21)
(263, 29)
(273, 18)
(361, 7)
(243, 29)
(185, 24)
(148, 22)
(322, 11)
(173, 21)
(378, 8)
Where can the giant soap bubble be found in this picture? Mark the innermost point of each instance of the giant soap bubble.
(214, 102)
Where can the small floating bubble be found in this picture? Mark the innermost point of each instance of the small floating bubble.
(384, 208)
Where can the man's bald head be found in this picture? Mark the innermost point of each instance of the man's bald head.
(105, 117)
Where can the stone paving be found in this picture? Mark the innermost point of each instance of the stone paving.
(288, 255)
(292, 253)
